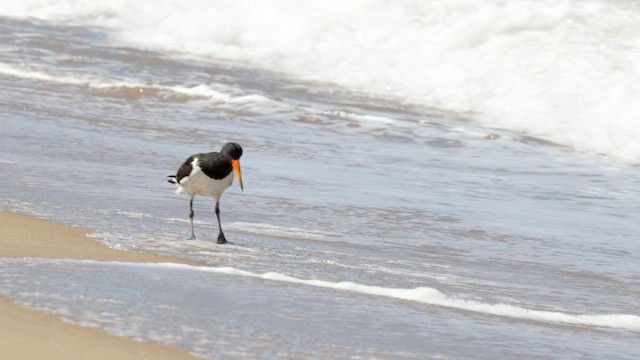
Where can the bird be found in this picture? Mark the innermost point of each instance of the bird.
(209, 174)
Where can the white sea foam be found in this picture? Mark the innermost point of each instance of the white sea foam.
(10, 70)
(97, 82)
(432, 296)
(567, 71)
(363, 118)
(281, 231)
(424, 295)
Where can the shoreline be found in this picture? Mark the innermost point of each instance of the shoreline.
(30, 334)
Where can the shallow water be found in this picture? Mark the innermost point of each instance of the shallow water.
(366, 228)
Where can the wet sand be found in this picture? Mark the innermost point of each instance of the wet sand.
(28, 334)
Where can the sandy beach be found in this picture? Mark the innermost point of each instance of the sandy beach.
(28, 334)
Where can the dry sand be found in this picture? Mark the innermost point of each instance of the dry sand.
(28, 334)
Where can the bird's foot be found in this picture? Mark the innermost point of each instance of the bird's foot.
(193, 237)
(221, 239)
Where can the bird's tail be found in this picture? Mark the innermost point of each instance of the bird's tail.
(173, 180)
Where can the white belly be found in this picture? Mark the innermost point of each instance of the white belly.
(198, 183)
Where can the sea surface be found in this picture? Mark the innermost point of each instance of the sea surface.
(446, 180)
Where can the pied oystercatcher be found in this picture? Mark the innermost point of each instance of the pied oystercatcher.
(209, 175)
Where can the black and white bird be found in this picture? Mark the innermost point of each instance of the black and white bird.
(209, 175)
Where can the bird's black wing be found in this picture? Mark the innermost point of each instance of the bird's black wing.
(214, 165)
(185, 169)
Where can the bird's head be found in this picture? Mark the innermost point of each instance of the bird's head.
(233, 152)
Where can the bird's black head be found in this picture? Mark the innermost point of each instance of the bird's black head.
(231, 151)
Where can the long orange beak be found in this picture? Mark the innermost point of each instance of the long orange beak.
(236, 168)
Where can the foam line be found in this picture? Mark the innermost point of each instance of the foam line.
(198, 91)
(428, 296)
(279, 231)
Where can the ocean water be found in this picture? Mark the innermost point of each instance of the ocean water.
(422, 179)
